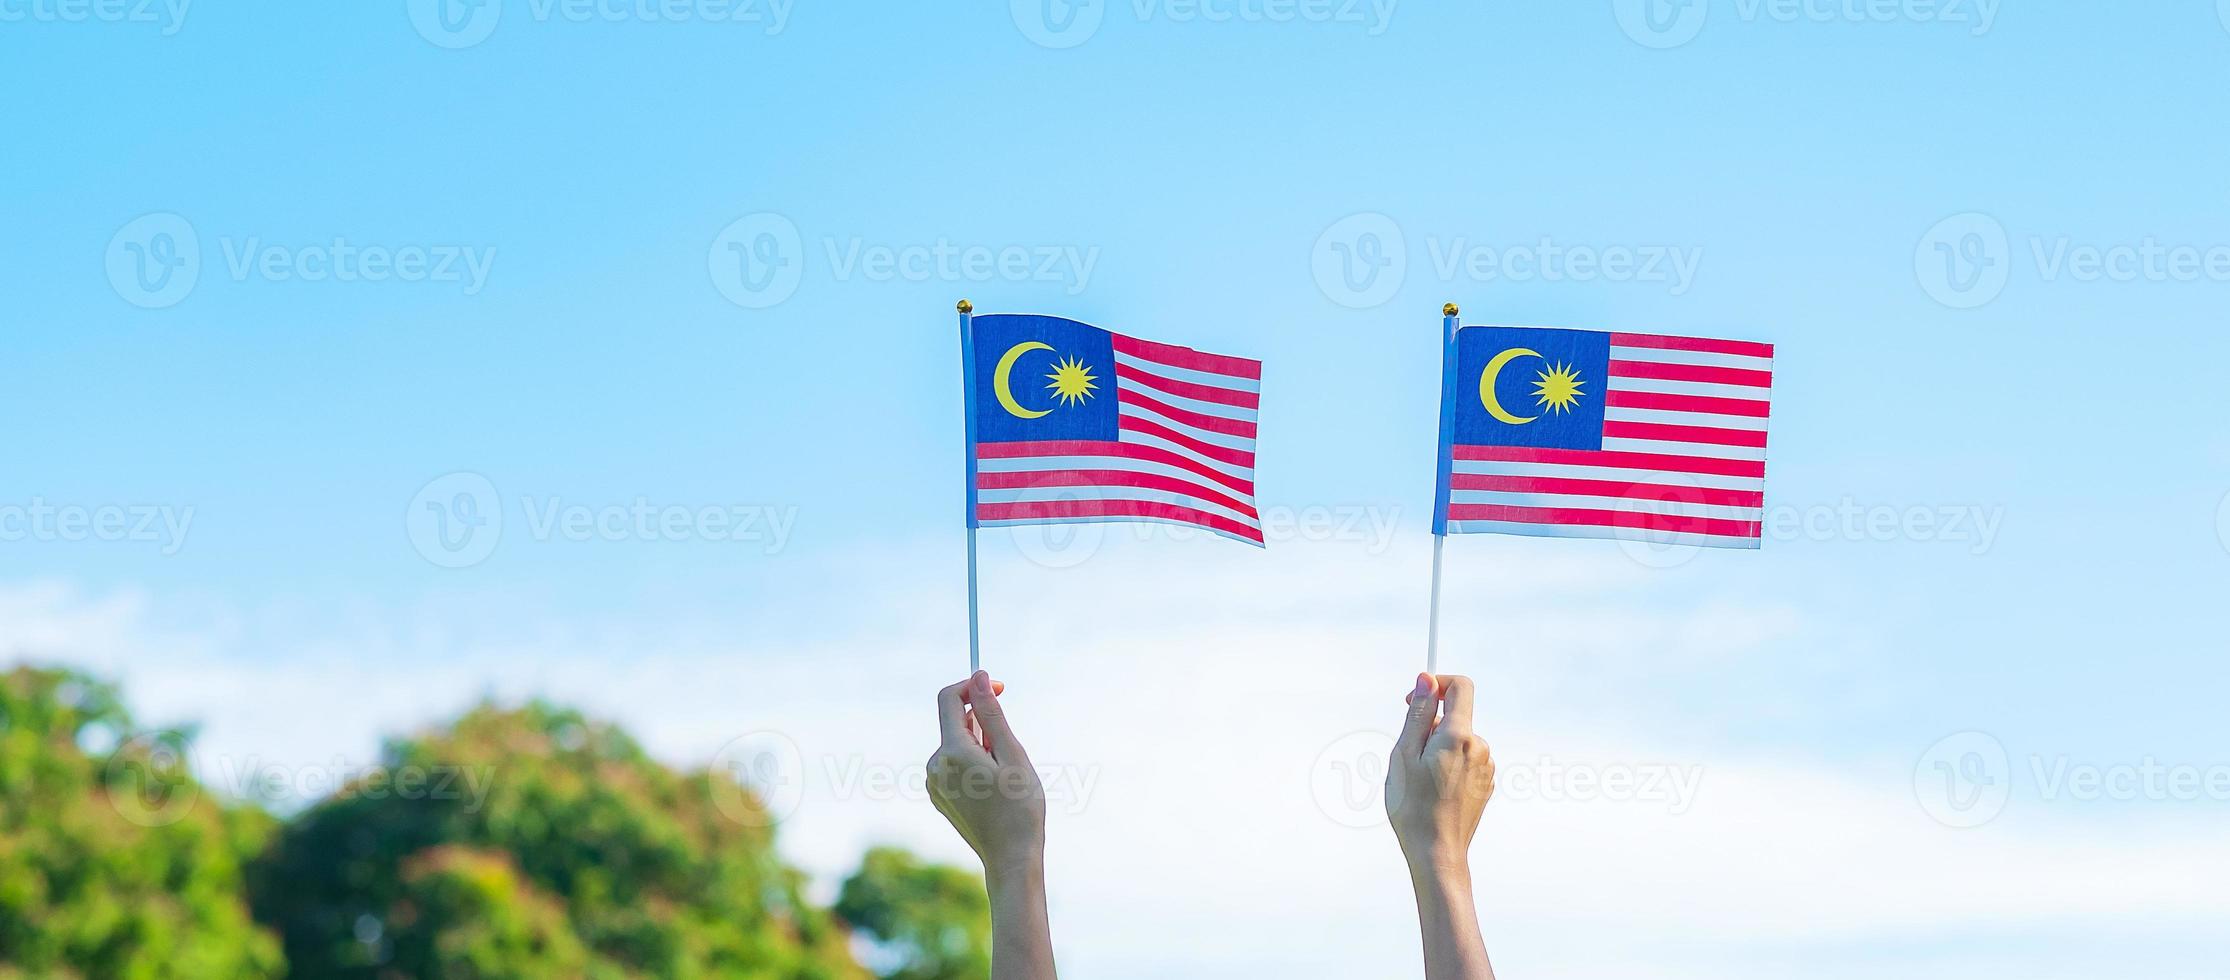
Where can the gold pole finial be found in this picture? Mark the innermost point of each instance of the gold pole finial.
(1448, 309)
(965, 307)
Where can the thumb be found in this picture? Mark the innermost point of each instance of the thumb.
(1416, 727)
(992, 717)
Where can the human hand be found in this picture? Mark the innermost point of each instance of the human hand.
(1440, 777)
(982, 780)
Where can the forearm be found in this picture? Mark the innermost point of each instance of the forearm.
(1449, 919)
(1021, 933)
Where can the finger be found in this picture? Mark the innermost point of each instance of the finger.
(1417, 724)
(1456, 695)
(991, 717)
(952, 713)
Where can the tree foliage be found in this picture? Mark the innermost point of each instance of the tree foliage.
(935, 920)
(514, 843)
(113, 862)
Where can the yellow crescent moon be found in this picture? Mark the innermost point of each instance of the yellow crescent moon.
(1486, 384)
(1006, 367)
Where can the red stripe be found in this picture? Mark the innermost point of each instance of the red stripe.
(1041, 510)
(1744, 348)
(1604, 518)
(1212, 423)
(1684, 433)
(1125, 450)
(1607, 488)
(1603, 457)
(1187, 389)
(1687, 403)
(1107, 478)
(1187, 358)
(1691, 372)
(1221, 454)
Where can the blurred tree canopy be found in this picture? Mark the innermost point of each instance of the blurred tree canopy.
(515, 843)
(934, 920)
(113, 863)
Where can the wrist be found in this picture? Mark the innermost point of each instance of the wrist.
(1439, 864)
(1023, 868)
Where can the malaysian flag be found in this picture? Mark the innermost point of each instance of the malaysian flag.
(1069, 423)
(1580, 433)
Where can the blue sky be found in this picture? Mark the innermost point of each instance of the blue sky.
(1989, 244)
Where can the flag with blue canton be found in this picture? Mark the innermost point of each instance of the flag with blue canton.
(1069, 423)
(1583, 433)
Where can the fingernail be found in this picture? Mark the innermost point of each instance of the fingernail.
(982, 680)
(1424, 687)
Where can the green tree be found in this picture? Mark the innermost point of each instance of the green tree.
(113, 862)
(934, 920)
(535, 842)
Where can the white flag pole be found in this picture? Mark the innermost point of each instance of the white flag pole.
(968, 404)
(1449, 323)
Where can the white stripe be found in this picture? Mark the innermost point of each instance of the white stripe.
(1025, 522)
(1663, 416)
(1175, 373)
(1023, 495)
(1242, 443)
(1668, 448)
(1663, 387)
(1589, 531)
(1696, 357)
(1670, 507)
(1235, 413)
(1620, 474)
(1150, 439)
(1120, 464)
